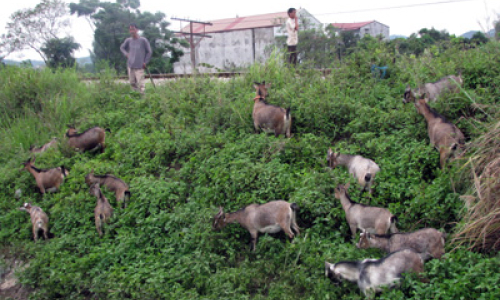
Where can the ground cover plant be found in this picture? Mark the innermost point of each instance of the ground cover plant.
(188, 147)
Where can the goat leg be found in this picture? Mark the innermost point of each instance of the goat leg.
(35, 234)
(253, 240)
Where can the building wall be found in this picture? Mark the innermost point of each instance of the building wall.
(374, 29)
(228, 50)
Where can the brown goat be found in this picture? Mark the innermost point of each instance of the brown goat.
(39, 220)
(51, 143)
(87, 140)
(103, 210)
(48, 179)
(444, 135)
(428, 241)
(367, 218)
(113, 184)
(268, 117)
(270, 217)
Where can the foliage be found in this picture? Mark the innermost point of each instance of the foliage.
(59, 52)
(188, 146)
(111, 21)
(33, 28)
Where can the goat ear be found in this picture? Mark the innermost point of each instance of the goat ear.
(330, 152)
(267, 85)
(408, 88)
(347, 186)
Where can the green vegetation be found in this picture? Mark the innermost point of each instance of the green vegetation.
(188, 147)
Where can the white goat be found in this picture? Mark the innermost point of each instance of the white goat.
(373, 274)
(363, 169)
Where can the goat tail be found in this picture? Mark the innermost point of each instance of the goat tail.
(394, 219)
(368, 177)
(393, 227)
(287, 116)
(294, 207)
(39, 224)
(127, 195)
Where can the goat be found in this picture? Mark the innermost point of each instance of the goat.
(427, 240)
(52, 143)
(268, 117)
(47, 179)
(434, 89)
(444, 135)
(270, 217)
(88, 140)
(367, 218)
(363, 169)
(372, 275)
(113, 183)
(39, 220)
(103, 210)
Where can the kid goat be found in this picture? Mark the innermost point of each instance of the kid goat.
(434, 89)
(87, 140)
(268, 117)
(428, 241)
(444, 136)
(103, 210)
(113, 183)
(51, 143)
(39, 220)
(270, 217)
(363, 169)
(373, 274)
(367, 218)
(48, 179)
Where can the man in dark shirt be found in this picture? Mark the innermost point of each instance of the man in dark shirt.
(138, 53)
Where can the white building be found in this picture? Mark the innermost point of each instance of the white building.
(236, 42)
(372, 28)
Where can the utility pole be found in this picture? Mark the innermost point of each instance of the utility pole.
(191, 41)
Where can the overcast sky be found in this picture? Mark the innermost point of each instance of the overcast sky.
(455, 16)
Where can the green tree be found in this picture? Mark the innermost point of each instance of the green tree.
(33, 27)
(479, 38)
(59, 52)
(110, 22)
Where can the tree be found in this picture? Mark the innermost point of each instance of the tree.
(110, 22)
(33, 27)
(479, 38)
(59, 52)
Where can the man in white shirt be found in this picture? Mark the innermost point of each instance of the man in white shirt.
(292, 29)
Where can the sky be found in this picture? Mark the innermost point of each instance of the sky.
(403, 17)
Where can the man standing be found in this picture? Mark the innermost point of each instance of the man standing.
(292, 28)
(138, 53)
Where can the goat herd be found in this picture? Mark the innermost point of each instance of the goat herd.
(407, 251)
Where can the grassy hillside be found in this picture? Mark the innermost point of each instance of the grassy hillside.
(188, 147)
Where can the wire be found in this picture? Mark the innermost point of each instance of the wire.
(394, 7)
(346, 12)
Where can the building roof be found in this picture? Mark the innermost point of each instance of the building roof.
(257, 21)
(351, 26)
